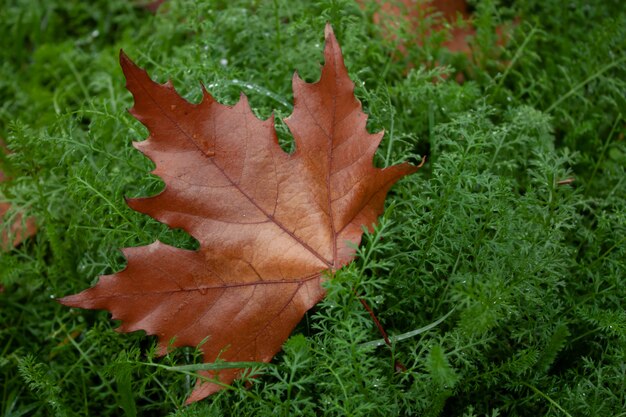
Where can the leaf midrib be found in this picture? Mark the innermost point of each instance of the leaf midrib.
(270, 217)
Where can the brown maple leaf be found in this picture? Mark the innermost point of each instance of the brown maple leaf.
(271, 225)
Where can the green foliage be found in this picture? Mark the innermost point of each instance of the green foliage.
(530, 266)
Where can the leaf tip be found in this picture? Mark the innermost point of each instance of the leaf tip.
(204, 389)
(74, 300)
(133, 203)
(125, 61)
(330, 39)
(328, 30)
(64, 300)
(331, 43)
(333, 58)
(128, 68)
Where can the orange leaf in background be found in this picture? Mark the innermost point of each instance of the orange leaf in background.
(153, 6)
(270, 224)
(412, 12)
(19, 229)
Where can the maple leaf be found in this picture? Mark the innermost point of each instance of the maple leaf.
(271, 225)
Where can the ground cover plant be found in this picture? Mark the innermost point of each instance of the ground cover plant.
(513, 231)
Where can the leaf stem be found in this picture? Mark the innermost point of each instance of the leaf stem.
(407, 335)
(375, 319)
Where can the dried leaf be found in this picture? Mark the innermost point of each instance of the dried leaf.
(271, 225)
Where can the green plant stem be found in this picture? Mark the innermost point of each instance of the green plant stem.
(602, 153)
(584, 83)
(550, 400)
(516, 57)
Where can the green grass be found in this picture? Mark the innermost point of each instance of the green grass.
(531, 272)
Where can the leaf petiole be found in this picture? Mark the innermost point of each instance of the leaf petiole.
(403, 336)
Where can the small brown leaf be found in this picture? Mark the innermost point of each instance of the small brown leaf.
(153, 6)
(20, 229)
(271, 225)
